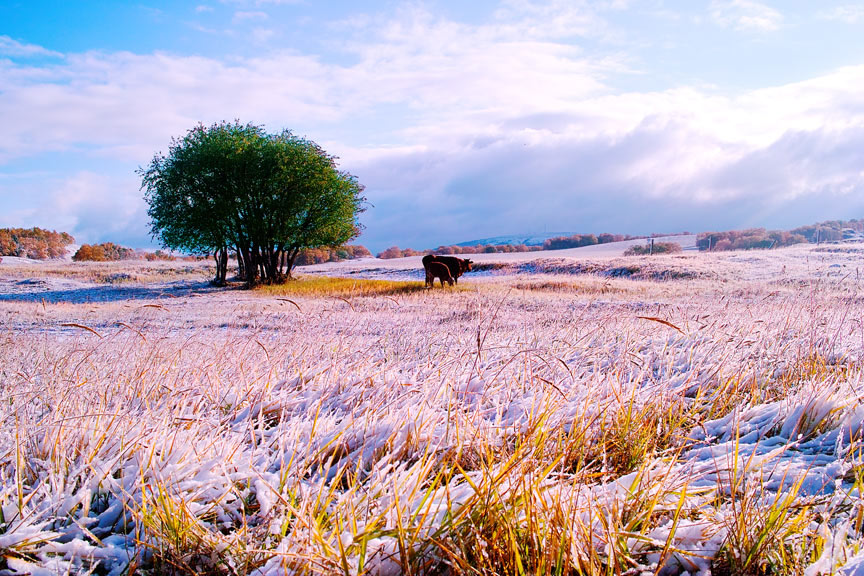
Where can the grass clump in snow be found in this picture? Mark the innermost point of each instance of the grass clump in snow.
(766, 532)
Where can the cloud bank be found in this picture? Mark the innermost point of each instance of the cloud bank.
(746, 15)
(458, 131)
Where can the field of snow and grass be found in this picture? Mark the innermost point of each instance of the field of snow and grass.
(552, 414)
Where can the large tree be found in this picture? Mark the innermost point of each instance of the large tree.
(266, 196)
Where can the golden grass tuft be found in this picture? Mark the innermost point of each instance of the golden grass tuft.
(322, 286)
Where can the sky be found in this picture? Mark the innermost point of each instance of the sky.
(462, 119)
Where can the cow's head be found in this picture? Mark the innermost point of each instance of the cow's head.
(465, 264)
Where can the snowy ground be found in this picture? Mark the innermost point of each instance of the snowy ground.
(566, 413)
(410, 267)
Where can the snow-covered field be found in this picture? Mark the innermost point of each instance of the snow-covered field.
(553, 414)
(411, 267)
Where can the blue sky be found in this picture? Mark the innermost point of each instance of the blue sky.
(463, 119)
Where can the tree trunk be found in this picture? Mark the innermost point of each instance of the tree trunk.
(241, 265)
(290, 257)
(268, 260)
(215, 280)
(223, 272)
(221, 257)
(275, 264)
(250, 265)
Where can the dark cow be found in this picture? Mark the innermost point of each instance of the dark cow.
(438, 270)
(457, 266)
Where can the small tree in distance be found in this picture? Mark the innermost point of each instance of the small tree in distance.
(266, 196)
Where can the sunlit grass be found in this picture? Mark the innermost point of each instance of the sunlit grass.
(320, 286)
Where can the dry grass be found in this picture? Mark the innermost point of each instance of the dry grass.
(323, 286)
(375, 427)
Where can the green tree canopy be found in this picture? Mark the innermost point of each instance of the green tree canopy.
(266, 196)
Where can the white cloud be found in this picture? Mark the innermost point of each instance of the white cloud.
(246, 16)
(637, 162)
(480, 126)
(849, 13)
(262, 35)
(416, 66)
(203, 8)
(746, 15)
(262, 2)
(552, 19)
(10, 47)
(94, 207)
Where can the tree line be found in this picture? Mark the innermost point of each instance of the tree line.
(582, 240)
(311, 256)
(34, 243)
(762, 239)
(396, 252)
(557, 243)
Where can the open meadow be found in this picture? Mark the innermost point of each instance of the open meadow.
(551, 414)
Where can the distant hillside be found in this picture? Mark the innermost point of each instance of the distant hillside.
(515, 240)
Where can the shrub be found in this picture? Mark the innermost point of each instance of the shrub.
(659, 248)
(89, 252)
(159, 255)
(392, 252)
(107, 251)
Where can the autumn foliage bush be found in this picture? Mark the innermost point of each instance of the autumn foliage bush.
(35, 243)
(105, 252)
(159, 255)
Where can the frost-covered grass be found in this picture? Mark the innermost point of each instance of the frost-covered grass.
(124, 271)
(553, 424)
